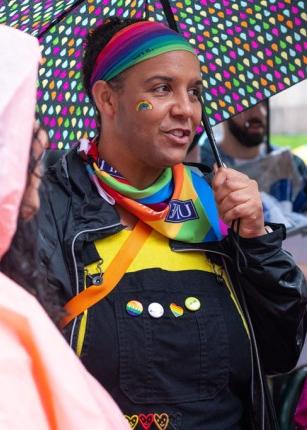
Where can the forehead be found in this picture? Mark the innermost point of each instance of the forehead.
(174, 64)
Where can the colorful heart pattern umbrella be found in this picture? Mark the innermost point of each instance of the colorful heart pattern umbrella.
(249, 51)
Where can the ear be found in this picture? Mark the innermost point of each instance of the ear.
(104, 97)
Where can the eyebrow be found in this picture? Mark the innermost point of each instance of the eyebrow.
(168, 79)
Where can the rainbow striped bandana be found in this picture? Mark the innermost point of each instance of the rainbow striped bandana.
(136, 43)
(180, 204)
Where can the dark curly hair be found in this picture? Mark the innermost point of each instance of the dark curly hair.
(21, 262)
(96, 40)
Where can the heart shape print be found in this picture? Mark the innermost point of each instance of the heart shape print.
(133, 421)
(161, 421)
(146, 420)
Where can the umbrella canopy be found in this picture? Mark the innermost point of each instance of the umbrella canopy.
(249, 50)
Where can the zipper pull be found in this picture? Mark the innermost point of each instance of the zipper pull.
(94, 278)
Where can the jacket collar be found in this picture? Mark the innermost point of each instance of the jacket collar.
(89, 210)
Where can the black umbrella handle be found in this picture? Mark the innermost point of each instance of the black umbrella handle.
(212, 141)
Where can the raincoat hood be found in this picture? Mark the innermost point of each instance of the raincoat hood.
(20, 54)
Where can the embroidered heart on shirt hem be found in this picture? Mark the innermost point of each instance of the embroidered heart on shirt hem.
(161, 421)
(146, 420)
(133, 421)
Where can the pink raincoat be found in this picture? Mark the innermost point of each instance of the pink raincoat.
(43, 384)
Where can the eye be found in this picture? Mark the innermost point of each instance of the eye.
(162, 89)
(195, 93)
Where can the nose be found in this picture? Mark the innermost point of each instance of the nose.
(259, 109)
(182, 106)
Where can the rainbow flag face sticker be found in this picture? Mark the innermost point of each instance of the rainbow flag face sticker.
(176, 310)
(144, 105)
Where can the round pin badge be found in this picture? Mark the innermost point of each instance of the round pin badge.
(134, 308)
(192, 304)
(155, 310)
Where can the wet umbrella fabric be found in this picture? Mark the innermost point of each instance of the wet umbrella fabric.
(249, 51)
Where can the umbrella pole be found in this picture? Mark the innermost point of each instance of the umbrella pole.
(268, 128)
(212, 141)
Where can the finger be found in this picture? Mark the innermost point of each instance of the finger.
(219, 177)
(216, 167)
(233, 199)
(245, 211)
(229, 175)
(232, 173)
(248, 189)
(233, 188)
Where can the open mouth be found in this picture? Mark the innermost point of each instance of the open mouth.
(179, 135)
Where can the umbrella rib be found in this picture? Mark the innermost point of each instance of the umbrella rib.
(169, 15)
(61, 17)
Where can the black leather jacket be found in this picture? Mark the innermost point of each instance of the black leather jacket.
(270, 287)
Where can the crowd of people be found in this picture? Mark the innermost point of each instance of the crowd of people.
(173, 293)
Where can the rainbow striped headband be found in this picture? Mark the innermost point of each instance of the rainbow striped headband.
(133, 44)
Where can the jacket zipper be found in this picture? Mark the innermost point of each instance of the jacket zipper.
(76, 269)
(252, 336)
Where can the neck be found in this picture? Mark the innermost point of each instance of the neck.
(232, 147)
(139, 175)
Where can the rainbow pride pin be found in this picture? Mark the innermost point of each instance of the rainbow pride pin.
(134, 308)
(176, 310)
(144, 105)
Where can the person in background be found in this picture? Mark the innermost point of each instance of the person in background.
(243, 138)
(43, 384)
(137, 243)
(281, 175)
(244, 141)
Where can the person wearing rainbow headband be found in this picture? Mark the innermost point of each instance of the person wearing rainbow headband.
(172, 337)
